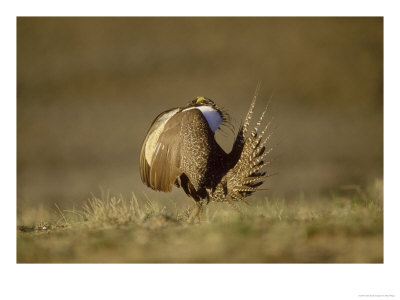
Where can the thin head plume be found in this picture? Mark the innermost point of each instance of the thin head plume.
(250, 112)
(226, 122)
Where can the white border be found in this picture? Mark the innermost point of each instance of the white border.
(198, 281)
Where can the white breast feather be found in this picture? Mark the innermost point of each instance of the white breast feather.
(212, 116)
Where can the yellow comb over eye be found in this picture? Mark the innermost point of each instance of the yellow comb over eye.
(199, 99)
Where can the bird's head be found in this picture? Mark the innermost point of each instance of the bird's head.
(202, 101)
(208, 106)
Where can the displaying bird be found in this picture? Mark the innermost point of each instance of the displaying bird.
(180, 148)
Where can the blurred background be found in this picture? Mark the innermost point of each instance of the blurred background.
(89, 88)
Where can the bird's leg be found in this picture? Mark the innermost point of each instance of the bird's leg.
(196, 212)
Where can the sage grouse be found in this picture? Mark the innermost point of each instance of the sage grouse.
(180, 149)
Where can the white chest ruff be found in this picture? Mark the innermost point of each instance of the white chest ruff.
(212, 116)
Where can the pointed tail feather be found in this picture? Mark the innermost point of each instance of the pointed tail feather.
(250, 112)
(245, 176)
(248, 161)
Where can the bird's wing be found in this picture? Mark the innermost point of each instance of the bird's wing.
(182, 145)
(151, 143)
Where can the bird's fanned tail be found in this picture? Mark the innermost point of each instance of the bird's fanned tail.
(248, 173)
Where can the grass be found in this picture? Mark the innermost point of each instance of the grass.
(346, 227)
